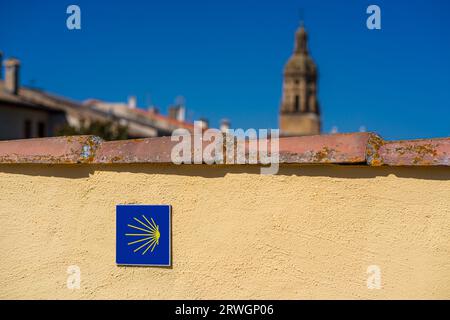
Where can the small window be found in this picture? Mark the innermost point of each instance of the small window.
(27, 129)
(41, 129)
(297, 104)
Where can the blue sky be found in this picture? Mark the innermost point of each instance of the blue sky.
(226, 58)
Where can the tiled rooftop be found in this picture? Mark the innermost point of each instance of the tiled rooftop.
(352, 148)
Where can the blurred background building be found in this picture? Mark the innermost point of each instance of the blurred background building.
(27, 112)
(299, 111)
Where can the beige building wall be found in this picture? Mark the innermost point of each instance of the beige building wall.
(309, 232)
(13, 120)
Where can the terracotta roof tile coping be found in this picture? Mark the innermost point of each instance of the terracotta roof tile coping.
(352, 148)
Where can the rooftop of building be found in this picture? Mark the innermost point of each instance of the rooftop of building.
(41, 99)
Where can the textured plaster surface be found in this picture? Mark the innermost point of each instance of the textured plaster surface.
(309, 232)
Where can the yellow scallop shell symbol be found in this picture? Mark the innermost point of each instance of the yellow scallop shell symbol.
(150, 235)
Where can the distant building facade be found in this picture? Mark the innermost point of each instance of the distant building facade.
(31, 113)
(299, 110)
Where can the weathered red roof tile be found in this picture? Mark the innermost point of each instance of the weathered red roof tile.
(426, 152)
(151, 150)
(57, 150)
(352, 148)
(334, 148)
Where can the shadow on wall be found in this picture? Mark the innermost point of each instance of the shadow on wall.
(217, 171)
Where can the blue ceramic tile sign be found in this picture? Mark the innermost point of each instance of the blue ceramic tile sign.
(143, 234)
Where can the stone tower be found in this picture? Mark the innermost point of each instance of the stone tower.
(299, 111)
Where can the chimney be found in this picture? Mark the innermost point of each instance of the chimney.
(203, 123)
(153, 109)
(224, 125)
(12, 75)
(132, 102)
(172, 112)
(177, 112)
(181, 112)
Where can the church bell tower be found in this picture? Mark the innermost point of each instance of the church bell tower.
(299, 111)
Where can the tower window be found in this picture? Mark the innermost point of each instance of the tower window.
(297, 104)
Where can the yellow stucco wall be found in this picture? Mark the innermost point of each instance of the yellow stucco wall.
(309, 232)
